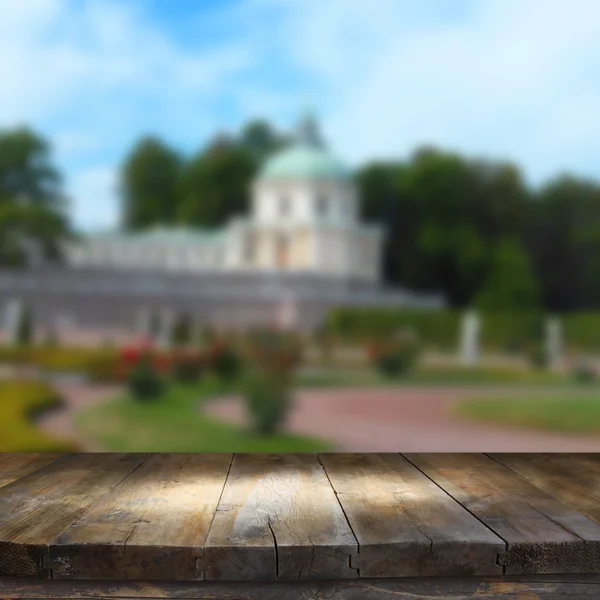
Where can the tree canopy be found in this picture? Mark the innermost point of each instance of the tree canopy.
(215, 185)
(510, 283)
(452, 223)
(149, 184)
(33, 220)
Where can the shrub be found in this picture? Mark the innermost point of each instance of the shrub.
(439, 328)
(187, 366)
(395, 356)
(268, 399)
(500, 330)
(538, 357)
(274, 351)
(273, 356)
(584, 371)
(144, 382)
(224, 361)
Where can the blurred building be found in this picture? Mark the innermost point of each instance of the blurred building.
(303, 240)
(303, 220)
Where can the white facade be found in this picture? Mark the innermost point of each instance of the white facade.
(303, 219)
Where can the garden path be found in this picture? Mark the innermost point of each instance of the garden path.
(404, 419)
(77, 396)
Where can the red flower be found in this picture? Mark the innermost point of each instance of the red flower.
(130, 354)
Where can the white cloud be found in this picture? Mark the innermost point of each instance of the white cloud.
(68, 144)
(513, 79)
(97, 74)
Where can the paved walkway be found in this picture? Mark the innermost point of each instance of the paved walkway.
(404, 420)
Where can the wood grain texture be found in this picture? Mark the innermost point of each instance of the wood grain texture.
(543, 535)
(405, 524)
(542, 588)
(35, 509)
(152, 525)
(572, 478)
(268, 517)
(278, 518)
(14, 465)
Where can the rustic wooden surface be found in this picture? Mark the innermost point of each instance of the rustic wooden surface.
(300, 518)
(543, 587)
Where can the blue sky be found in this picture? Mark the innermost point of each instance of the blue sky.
(516, 79)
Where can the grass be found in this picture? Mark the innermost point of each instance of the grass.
(434, 376)
(574, 414)
(174, 423)
(19, 402)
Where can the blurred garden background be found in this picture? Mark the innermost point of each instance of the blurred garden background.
(512, 361)
(365, 382)
(171, 117)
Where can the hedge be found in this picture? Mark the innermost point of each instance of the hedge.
(436, 329)
(20, 402)
(99, 364)
(582, 330)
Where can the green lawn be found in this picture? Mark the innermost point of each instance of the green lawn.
(173, 423)
(434, 376)
(576, 413)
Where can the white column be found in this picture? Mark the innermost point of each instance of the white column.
(469, 339)
(13, 316)
(553, 340)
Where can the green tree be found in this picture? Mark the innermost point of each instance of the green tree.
(216, 185)
(378, 183)
(33, 221)
(260, 139)
(564, 240)
(149, 181)
(27, 175)
(442, 216)
(510, 284)
(31, 232)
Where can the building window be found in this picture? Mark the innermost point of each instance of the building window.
(285, 206)
(322, 205)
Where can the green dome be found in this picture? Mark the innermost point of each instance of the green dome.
(306, 158)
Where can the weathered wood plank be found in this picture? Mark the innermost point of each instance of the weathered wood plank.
(278, 518)
(38, 507)
(543, 535)
(14, 465)
(405, 524)
(152, 525)
(541, 588)
(572, 478)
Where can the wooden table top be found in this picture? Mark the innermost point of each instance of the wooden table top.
(261, 517)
